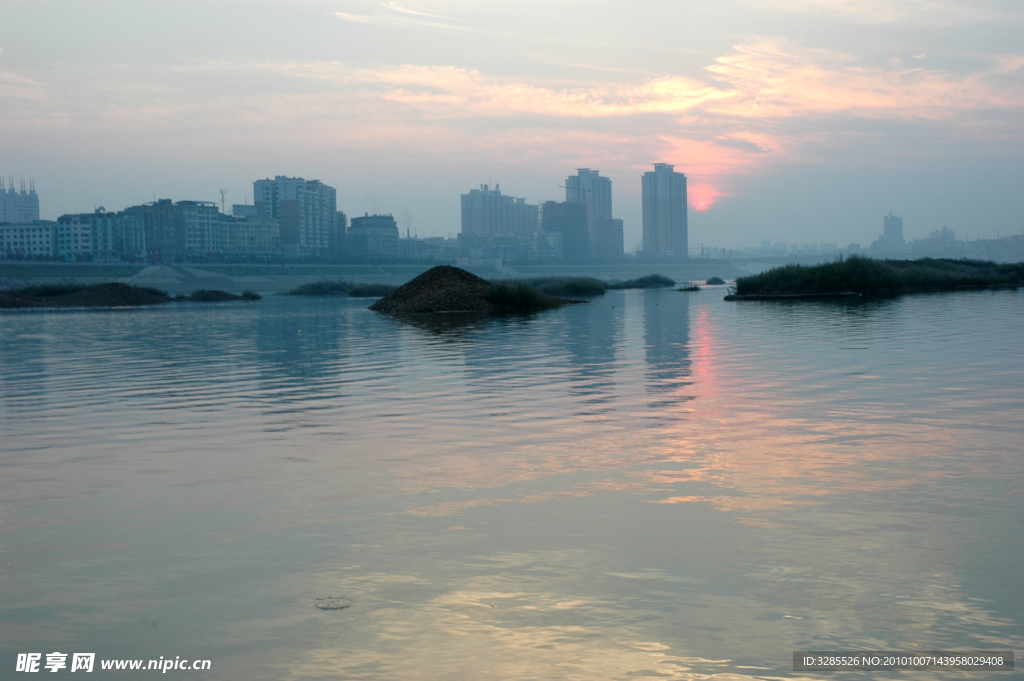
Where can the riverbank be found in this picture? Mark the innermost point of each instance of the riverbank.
(857, 276)
(79, 295)
(270, 279)
(113, 294)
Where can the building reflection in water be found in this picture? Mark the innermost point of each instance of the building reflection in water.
(666, 349)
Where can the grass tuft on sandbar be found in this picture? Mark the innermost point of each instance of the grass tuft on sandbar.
(869, 277)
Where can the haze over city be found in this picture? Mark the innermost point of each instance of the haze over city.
(798, 120)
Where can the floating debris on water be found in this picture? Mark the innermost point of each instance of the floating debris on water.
(332, 603)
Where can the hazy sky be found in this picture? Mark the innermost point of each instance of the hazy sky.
(795, 120)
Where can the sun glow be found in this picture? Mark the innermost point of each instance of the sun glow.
(702, 196)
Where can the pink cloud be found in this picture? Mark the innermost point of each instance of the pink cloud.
(777, 79)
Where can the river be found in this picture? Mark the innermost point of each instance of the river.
(653, 485)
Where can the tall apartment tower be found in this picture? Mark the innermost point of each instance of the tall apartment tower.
(18, 207)
(488, 211)
(664, 206)
(306, 211)
(893, 226)
(570, 220)
(593, 191)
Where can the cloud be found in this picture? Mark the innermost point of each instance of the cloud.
(777, 79)
(761, 80)
(19, 87)
(918, 12)
(759, 103)
(462, 93)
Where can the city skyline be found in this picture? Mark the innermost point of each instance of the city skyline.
(912, 106)
(770, 242)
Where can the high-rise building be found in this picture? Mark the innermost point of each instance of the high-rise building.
(594, 192)
(339, 240)
(665, 212)
(306, 211)
(893, 230)
(569, 220)
(488, 211)
(18, 207)
(608, 239)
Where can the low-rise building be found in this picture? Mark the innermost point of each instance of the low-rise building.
(37, 239)
(374, 236)
(101, 235)
(433, 248)
(245, 233)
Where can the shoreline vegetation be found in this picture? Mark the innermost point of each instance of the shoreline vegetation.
(588, 287)
(106, 295)
(342, 288)
(446, 289)
(858, 276)
(470, 293)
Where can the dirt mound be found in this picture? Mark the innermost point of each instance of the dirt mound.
(441, 289)
(99, 295)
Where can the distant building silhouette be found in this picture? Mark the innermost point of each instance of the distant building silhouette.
(665, 212)
(893, 230)
(373, 236)
(891, 241)
(339, 240)
(488, 211)
(173, 228)
(306, 211)
(101, 235)
(608, 239)
(240, 210)
(245, 232)
(18, 207)
(593, 191)
(37, 239)
(569, 220)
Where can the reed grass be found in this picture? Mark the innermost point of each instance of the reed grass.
(869, 277)
(49, 290)
(342, 288)
(650, 281)
(371, 290)
(580, 287)
(518, 296)
(66, 289)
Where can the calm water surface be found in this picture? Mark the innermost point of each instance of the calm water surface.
(654, 485)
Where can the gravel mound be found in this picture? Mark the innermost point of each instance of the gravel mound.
(441, 289)
(100, 295)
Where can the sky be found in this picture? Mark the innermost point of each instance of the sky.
(802, 121)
